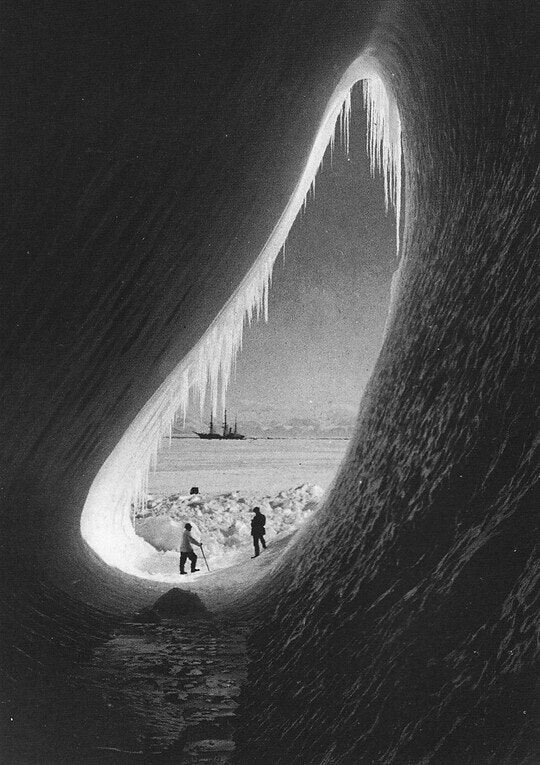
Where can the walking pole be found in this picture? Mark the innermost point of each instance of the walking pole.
(204, 556)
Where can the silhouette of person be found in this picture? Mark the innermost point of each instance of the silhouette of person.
(258, 530)
(186, 550)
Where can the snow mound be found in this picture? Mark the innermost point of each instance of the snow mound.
(223, 522)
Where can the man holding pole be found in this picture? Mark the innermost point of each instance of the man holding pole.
(186, 550)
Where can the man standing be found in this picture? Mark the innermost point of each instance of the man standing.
(186, 550)
(257, 530)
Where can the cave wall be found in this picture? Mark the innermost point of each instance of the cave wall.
(148, 151)
(404, 624)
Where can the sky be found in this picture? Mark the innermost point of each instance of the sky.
(303, 372)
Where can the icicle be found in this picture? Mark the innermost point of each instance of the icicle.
(383, 143)
(265, 298)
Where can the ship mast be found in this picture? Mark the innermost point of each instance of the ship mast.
(225, 424)
(211, 422)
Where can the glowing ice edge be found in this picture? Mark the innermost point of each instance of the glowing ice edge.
(106, 518)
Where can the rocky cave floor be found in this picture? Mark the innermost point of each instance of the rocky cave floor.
(162, 692)
(175, 688)
(154, 689)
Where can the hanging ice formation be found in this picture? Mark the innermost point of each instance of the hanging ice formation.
(105, 522)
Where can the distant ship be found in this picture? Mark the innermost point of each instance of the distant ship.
(228, 433)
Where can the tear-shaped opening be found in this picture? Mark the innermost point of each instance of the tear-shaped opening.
(204, 374)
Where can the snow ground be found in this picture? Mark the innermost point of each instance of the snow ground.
(221, 522)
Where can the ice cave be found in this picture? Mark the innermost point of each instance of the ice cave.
(157, 150)
(106, 523)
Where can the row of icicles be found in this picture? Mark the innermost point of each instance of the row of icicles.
(123, 479)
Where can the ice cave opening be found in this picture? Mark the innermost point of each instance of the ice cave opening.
(122, 521)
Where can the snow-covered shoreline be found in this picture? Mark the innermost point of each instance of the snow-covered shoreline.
(222, 522)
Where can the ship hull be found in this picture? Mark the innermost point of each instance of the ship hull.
(217, 437)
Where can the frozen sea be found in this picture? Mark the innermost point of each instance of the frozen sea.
(250, 466)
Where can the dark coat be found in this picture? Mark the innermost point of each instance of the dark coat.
(257, 525)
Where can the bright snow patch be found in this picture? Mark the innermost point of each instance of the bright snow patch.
(222, 523)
